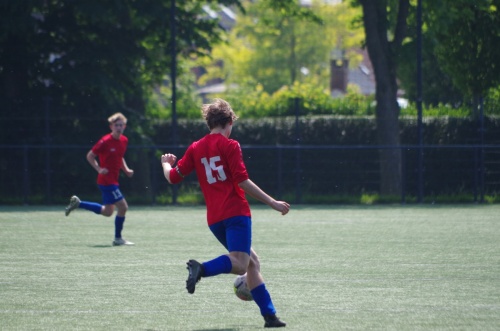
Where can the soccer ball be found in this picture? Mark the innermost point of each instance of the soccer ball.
(241, 289)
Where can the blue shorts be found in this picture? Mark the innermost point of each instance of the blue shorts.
(111, 194)
(234, 233)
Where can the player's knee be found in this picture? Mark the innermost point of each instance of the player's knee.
(122, 208)
(254, 263)
(121, 211)
(240, 270)
(240, 266)
(107, 212)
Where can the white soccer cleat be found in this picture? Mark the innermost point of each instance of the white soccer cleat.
(74, 202)
(122, 242)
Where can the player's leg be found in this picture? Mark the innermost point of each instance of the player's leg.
(234, 234)
(107, 210)
(110, 194)
(260, 294)
(254, 277)
(121, 207)
(116, 197)
(121, 210)
(108, 199)
(75, 203)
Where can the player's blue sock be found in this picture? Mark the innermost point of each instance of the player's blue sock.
(217, 266)
(263, 299)
(92, 206)
(119, 220)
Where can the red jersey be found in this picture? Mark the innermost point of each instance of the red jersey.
(110, 152)
(218, 162)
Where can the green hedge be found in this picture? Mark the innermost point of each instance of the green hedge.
(337, 130)
(338, 173)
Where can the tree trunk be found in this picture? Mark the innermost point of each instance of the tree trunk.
(388, 137)
(383, 55)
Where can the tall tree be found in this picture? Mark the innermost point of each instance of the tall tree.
(96, 53)
(385, 28)
(461, 57)
(91, 58)
(275, 47)
(468, 39)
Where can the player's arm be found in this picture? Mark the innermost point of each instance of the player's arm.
(256, 192)
(91, 158)
(129, 172)
(167, 162)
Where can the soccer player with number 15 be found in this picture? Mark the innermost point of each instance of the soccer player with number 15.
(224, 180)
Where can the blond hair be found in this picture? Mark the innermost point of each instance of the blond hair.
(218, 113)
(117, 116)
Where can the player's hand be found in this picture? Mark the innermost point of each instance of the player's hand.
(103, 171)
(129, 173)
(169, 158)
(281, 206)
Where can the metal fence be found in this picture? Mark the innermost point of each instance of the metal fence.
(301, 174)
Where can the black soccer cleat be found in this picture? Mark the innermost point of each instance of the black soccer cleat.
(273, 321)
(195, 272)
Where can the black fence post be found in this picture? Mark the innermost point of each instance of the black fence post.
(279, 156)
(48, 180)
(298, 171)
(476, 172)
(153, 174)
(481, 152)
(403, 176)
(26, 176)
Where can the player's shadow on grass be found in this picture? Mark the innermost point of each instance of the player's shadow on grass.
(101, 246)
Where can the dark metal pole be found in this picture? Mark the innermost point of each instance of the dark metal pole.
(279, 156)
(419, 105)
(26, 173)
(173, 76)
(481, 142)
(298, 189)
(48, 188)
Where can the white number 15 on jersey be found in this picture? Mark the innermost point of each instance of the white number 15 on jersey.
(212, 166)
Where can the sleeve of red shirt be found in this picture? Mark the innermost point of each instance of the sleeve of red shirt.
(96, 149)
(235, 162)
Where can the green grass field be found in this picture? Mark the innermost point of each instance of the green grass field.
(327, 268)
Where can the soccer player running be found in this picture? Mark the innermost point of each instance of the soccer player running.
(224, 180)
(110, 150)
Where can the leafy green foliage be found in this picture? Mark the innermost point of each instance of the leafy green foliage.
(471, 56)
(492, 101)
(159, 105)
(94, 57)
(437, 85)
(460, 52)
(275, 45)
(254, 102)
(437, 110)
